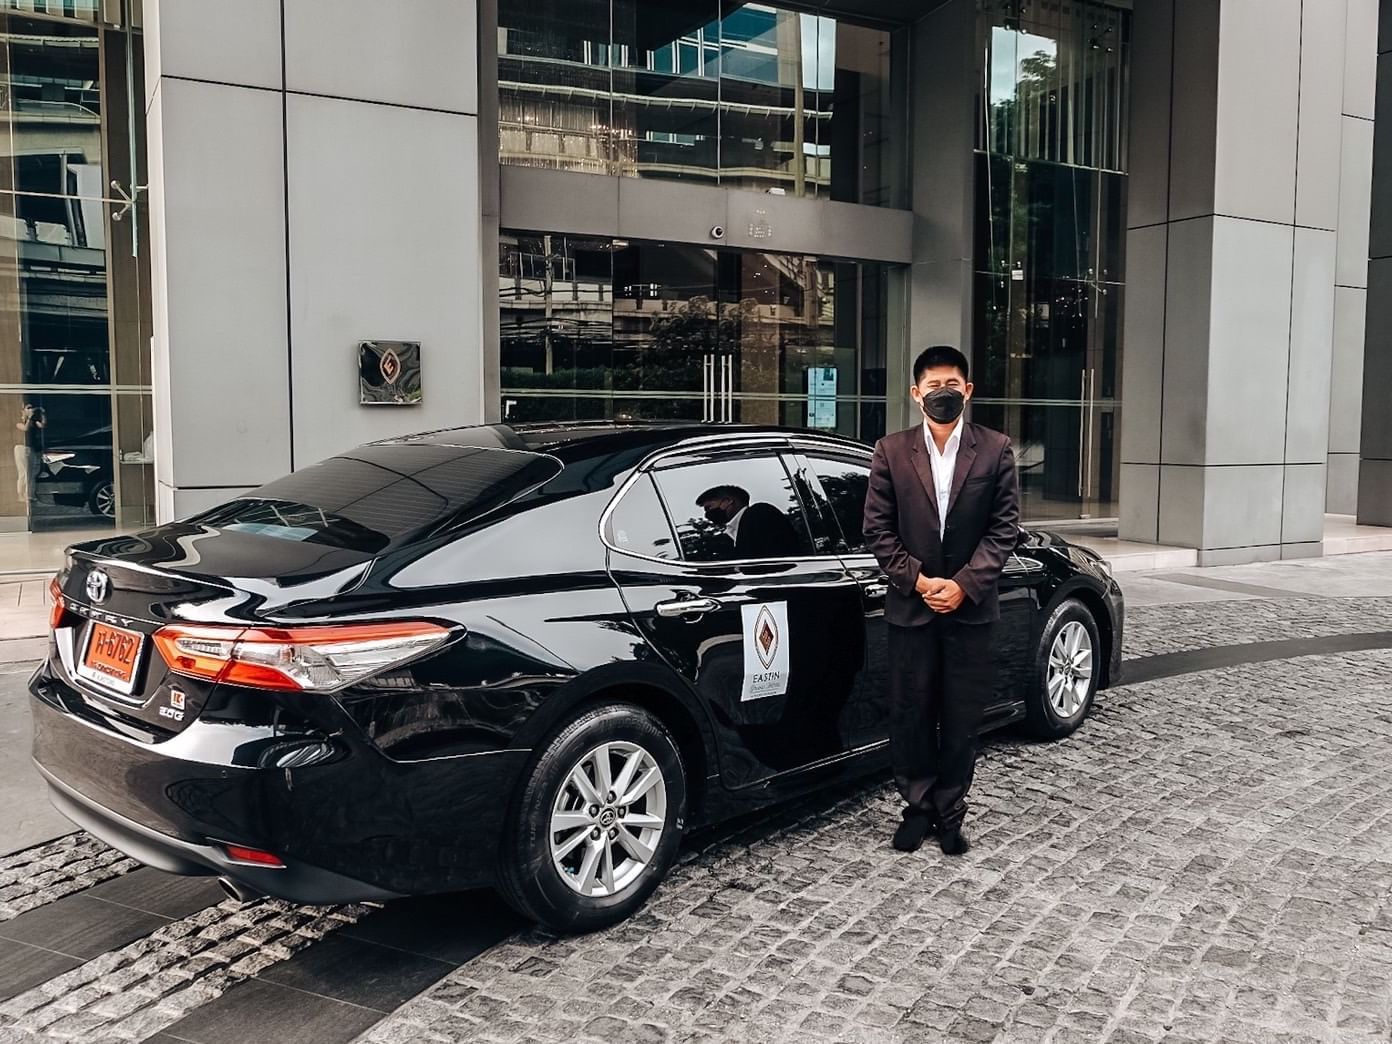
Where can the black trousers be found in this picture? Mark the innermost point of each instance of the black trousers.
(942, 675)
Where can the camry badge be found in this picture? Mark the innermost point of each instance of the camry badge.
(98, 586)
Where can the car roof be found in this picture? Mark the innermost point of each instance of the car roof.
(587, 440)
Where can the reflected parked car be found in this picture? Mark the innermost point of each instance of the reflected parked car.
(502, 655)
(78, 472)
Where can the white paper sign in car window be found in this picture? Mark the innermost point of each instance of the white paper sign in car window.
(765, 649)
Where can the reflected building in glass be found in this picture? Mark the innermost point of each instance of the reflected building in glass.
(1050, 227)
(755, 99)
(603, 328)
(74, 287)
(759, 98)
(751, 96)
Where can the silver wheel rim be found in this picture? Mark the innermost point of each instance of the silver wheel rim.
(106, 500)
(1070, 669)
(607, 819)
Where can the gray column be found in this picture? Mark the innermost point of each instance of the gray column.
(314, 182)
(1230, 276)
(943, 67)
(491, 208)
(1375, 464)
(1351, 262)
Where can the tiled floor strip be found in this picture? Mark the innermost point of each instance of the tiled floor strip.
(335, 990)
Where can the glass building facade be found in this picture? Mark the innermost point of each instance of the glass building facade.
(604, 328)
(1050, 239)
(752, 96)
(74, 275)
(764, 99)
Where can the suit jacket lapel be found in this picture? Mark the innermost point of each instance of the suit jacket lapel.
(918, 450)
(966, 453)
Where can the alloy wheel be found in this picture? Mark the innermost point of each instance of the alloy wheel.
(607, 819)
(104, 500)
(1070, 669)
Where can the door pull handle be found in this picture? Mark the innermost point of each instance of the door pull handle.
(876, 589)
(687, 607)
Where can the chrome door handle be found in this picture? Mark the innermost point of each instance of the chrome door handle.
(687, 607)
(876, 589)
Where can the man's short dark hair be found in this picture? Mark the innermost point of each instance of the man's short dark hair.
(939, 355)
(721, 492)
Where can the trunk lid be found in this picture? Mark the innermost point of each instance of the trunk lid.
(307, 537)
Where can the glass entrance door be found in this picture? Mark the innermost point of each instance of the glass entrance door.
(612, 329)
(1050, 232)
(1060, 377)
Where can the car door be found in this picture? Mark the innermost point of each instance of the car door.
(841, 478)
(838, 477)
(770, 642)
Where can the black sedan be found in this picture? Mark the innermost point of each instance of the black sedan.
(527, 657)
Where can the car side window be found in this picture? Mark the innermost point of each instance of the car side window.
(845, 483)
(638, 523)
(735, 508)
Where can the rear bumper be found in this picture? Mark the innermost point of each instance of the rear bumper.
(295, 882)
(357, 826)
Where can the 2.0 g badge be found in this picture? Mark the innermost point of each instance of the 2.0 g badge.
(175, 710)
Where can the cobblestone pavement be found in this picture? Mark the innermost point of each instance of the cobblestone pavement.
(45, 873)
(1208, 859)
(134, 992)
(1155, 629)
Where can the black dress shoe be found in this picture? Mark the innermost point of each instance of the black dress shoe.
(915, 827)
(954, 842)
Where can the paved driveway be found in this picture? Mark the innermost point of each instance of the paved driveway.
(1209, 858)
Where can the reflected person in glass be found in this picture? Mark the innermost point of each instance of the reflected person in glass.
(747, 530)
(29, 450)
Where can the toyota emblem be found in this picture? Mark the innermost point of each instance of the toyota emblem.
(98, 586)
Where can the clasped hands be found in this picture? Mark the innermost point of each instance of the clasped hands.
(941, 596)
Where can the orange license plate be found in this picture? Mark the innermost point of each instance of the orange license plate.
(111, 657)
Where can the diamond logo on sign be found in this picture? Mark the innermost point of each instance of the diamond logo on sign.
(389, 373)
(391, 366)
(766, 637)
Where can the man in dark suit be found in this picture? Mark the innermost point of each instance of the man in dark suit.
(941, 516)
(754, 530)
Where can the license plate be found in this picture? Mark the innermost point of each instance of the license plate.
(111, 657)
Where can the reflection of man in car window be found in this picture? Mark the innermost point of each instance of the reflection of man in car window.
(754, 530)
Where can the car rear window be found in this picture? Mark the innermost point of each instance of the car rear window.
(381, 495)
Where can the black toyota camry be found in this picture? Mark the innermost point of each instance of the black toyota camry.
(526, 657)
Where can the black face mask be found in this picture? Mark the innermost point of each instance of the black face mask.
(943, 405)
(717, 516)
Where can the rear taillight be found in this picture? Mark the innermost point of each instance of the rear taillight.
(57, 608)
(314, 659)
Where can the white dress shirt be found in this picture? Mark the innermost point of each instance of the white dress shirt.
(732, 526)
(944, 464)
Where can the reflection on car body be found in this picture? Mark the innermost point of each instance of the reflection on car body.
(503, 655)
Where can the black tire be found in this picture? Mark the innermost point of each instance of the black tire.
(101, 498)
(528, 876)
(1045, 719)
